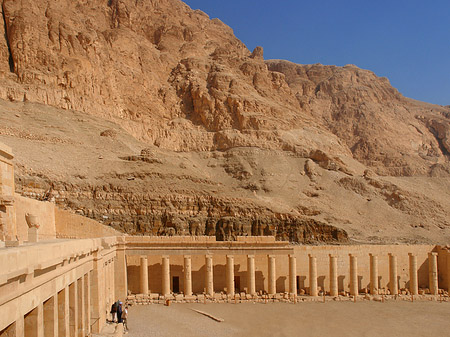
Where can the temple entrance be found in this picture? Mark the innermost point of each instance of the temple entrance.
(298, 284)
(176, 284)
(237, 284)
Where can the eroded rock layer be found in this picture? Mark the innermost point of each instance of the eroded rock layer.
(151, 117)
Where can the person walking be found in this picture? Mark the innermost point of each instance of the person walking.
(119, 313)
(113, 312)
(124, 318)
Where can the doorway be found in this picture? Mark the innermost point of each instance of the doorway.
(176, 284)
(237, 284)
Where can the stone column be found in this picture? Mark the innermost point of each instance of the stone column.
(107, 288)
(51, 317)
(120, 273)
(413, 281)
(354, 291)
(251, 286)
(87, 302)
(292, 274)
(73, 309)
(63, 313)
(98, 299)
(209, 277)
(81, 308)
(230, 275)
(144, 275)
(312, 276)
(373, 274)
(19, 330)
(393, 279)
(34, 322)
(165, 275)
(187, 275)
(272, 275)
(433, 273)
(333, 276)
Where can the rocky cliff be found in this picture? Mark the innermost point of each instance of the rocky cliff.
(152, 118)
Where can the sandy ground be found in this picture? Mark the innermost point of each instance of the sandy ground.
(387, 319)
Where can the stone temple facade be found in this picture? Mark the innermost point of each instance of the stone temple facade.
(60, 272)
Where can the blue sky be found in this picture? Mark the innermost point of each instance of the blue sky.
(406, 41)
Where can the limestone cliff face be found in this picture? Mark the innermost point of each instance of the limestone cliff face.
(155, 119)
(168, 74)
(174, 78)
(383, 129)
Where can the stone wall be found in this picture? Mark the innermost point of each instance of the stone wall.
(7, 213)
(70, 225)
(57, 280)
(45, 212)
(444, 266)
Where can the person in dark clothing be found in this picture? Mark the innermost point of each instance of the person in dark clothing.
(119, 313)
(113, 312)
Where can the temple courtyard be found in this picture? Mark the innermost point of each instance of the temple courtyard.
(315, 319)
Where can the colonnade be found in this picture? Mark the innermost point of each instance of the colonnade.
(209, 277)
(66, 292)
(354, 286)
(66, 313)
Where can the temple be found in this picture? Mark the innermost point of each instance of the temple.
(60, 272)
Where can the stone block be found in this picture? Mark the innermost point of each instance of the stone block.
(33, 234)
(13, 243)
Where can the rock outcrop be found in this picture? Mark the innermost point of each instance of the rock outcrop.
(383, 129)
(153, 118)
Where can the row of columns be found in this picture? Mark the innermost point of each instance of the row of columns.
(65, 314)
(209, 283)
(313, 286)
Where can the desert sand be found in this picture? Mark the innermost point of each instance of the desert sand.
(392, 318)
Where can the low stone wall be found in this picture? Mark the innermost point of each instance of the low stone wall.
(45, 212)
(70, 225)
(276, 298)
(42, 285)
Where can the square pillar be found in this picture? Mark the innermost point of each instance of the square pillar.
(120, 274)
(230, 275)
(272, 275)
(34, 322)
(433, 273)
(354, 288)
(51, 317)
(312, 276)
(251, 285)
(87, 303)
(333, 276)
(292, 274)
(209, 278)
(97, 294)
(19, 327)
(143, 275)
(393, 275)
(73, 309)
(81, 307)
(413, 280)
(165, 275)
(63, 313)
(373, 274)
(187, 275)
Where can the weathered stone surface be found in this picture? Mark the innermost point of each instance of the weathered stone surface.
(164, 123)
